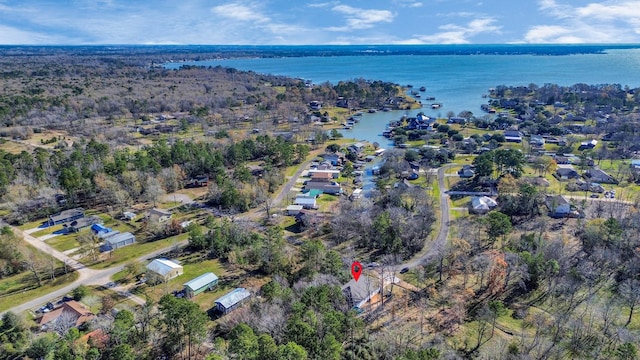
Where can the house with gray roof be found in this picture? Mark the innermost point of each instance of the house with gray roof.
(232, 300)
(163, 270)
(66, 216)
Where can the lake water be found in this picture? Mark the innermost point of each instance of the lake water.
(456, 81)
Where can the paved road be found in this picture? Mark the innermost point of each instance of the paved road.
(440, 241)
(86, 276)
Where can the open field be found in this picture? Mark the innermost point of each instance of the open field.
(24, 279)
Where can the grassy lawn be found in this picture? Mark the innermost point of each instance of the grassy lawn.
(136, 250)
(326, 201)
(64, 242)
(19, 281)
(32, 224)
(47, 231)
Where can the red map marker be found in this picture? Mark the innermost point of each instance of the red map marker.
(356, 270)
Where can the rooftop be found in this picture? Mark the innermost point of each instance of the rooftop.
(162, 266)
(201, 281)
(233, 297)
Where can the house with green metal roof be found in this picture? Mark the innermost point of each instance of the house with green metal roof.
(202, 283)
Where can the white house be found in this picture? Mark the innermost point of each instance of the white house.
(558, 205)
(162, 270)
(482, 204)
(159, 215)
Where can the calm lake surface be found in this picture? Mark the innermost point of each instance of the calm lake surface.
(456, 81)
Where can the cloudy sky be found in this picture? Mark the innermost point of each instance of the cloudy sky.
(290, 22)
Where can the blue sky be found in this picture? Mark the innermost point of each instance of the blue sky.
(292, 22)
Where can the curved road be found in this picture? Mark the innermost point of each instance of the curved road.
(440, 240)
(86, 276)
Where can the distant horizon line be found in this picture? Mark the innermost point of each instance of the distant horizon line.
(330, 45)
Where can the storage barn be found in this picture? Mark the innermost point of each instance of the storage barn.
(232, 300)
(200, 284)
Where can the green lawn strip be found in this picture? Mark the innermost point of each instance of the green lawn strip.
(47, 231)
(136, 250)
(9, 301)
(64, 242)
(325, 201)
(32, 224)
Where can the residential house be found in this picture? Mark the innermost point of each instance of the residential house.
(513, 136)
(159, 215)
(536, 141)
(163, 270)
(330, 187)
(66, 216)
(334, 159)
(357, 147)
(232, 300)
(457, 120)
(559, 206)
(70, 311)
(128, 215)
(117, 241)
(315, 105)
(81, 223)
(293, 210)
(588, 145)
(307, 202)
(404, 184)
(99, 228)
(566, 172)
(359, 293)
(482, 204)
(198, 181)
(327, 174)
(357, 194)
(599, 176)
(202, 283)
(635, 165)
(466, 172)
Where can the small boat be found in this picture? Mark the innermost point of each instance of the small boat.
(436, 105)
(422, 88)
(409, 86)
(417, 96)
(430, 98)
(358, 114)
(414, 93)
(371, 111)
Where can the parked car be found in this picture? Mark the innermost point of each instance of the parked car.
(404, 270)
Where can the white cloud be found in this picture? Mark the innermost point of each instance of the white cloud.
(239, 12)
(604, 22)
(456, 34)
(361, 18)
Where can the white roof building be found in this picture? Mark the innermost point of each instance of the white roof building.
(482, 204)
(165, 269)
